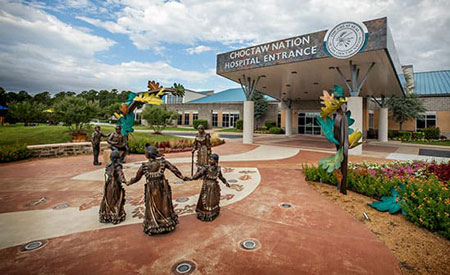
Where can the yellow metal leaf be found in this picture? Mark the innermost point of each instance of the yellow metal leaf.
(353, 139)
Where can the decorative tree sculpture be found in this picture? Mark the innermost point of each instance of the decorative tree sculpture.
(335, 121)
(153, 97)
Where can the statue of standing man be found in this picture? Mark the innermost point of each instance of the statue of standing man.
(119, 142)
(95, 141)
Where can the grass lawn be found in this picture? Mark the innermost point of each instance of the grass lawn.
(229, 130)
(44, 134)
(140, 127)
(437, 142)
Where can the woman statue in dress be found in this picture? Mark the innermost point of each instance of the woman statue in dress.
(202, 144)
(208, 203)
(160, 216)
(112, 205)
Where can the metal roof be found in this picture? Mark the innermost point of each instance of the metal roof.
(432, 83)
(230, 95)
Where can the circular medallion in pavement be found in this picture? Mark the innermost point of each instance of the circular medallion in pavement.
(184, 267)
(286, 205)
(232, 181)
(182, 199)
(33, 245)
(61, 206)
(249, 244)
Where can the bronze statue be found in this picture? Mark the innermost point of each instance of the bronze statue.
(160, 216)
(208, 203)
(341, 135)
(112, 205)
(119, 141)
(95, 141)
(202, 144)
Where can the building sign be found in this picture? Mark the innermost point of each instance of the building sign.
(343, 41)
(346, 39)
(271, 52)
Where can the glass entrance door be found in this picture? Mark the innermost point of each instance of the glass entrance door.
(308, 124)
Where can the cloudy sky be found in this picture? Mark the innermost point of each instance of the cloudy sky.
(78, 45)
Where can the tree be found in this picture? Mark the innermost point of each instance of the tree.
(2, 97)
(26, 111)
(260, 104)
(405, 108)
(76, 112)
(108, 111)
(158, 117)
(43, 98)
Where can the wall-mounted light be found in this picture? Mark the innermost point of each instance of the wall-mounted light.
(316, 83)
(288, 85)
(264, 87)
(305, 92)
(262, 76)
(331, 68)
(294, 72)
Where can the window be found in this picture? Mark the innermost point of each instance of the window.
(174, 99)
(186, 118)
(214, 120)
(308, 124)
(428, 120)
(180, 119)
(194, 117)
(233, 119)
(279, 120)
(225, 120)
(370, 120)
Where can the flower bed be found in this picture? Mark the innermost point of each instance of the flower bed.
(423, 188)
(14, 153)
(137, 146)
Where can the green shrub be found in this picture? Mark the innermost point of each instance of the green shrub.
(239, 124)
(276, 130)
(270, 124)
(197, 122)
(418, 136)
(264, 129)
(405, 136)
(432, 133)
(14, 153)
(392, 134)
(427, 203)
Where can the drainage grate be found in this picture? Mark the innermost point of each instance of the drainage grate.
(182, 199)
(61, 206)
(184, 267)
(286, 205)
(249, 244)
(33, 245)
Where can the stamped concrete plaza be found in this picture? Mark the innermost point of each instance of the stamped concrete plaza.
(56, 201)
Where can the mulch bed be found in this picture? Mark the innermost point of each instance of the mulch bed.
(418, 250)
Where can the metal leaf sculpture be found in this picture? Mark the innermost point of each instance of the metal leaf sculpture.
(154, 96)
(335, 121)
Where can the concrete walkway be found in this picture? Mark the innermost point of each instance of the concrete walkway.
(312, 236)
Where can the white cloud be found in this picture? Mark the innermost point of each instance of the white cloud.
(38, 52)
(198, 49)
(417, 26)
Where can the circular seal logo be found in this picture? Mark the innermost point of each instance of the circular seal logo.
(346, 39)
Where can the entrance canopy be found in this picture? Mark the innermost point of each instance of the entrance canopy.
(299, 68)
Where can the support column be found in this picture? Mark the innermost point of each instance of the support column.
(383, 125)
(288, 124)
(355, 105)
(249, 109)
